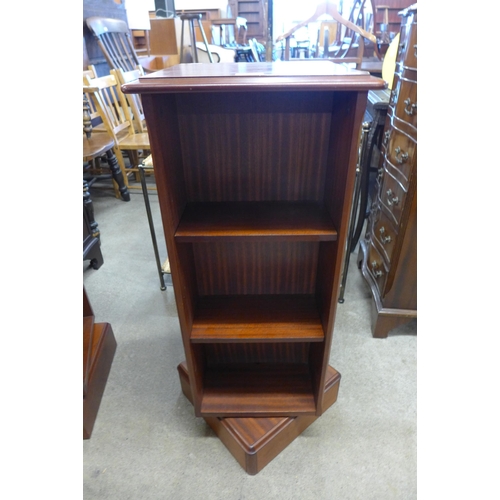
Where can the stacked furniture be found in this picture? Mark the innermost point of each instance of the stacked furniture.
(255, 167)
(388, 253)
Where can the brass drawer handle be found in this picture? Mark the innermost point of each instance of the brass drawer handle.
(380, 173)
(410, 107)
(376, 272)
(403, 158)
(415, 47)
(383, 238)
(387, 134)
(391, 199)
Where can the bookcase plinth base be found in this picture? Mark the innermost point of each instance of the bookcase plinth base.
(254, 442)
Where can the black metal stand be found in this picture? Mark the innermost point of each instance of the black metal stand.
(161, 272)
(354, 210)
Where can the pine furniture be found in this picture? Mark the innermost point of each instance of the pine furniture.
(255, 167)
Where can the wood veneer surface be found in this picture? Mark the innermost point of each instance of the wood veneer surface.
(262, 318)
(258, 389)
(303, 221)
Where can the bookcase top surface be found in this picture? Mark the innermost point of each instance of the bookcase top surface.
(267, 76)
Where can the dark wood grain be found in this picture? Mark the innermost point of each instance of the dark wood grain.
(231, 221)
(102, 354)
(235, 353)
(229, 145)
(250, 268)
(257, 318)
(255, 166)
(260, 390)
(255, 77)
(254, 442)
(388, 253)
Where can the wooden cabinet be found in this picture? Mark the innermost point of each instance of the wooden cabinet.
(254, 12)
(386, 12)
(388, 253)
(255, 166)
(99, 346)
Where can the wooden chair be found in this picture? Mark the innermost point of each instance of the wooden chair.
(114, 38)
(327, 35)
(90, 72)
(97, 124)
(114, 111)
(97, 145)
(134, 100)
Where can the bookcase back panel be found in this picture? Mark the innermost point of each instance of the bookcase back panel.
(234, 353)
(229, 268)
(272, 146)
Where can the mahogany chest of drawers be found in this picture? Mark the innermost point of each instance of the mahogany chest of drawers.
(388, 252)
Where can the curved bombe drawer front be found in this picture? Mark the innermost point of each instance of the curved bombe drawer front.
(404, 104)
(392, 197)
(407, 50)
(400, 154)
(384, 235)
(376, 267)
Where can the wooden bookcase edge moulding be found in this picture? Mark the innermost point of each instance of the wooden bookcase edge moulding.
(231, 154)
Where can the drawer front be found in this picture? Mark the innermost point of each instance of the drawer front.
(393, 99)
(376, 268)
(384, 236)
(407, 50)
(410, 58)
(406, 105)
(392, 197)
(400, 154)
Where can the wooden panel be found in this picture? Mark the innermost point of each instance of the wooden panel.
(254, 442)
(230, 142)
(163, 37)
(102, 354)
(261, 389)
(394, 6)
(264, 318)
(256, 268)
(240, 353)
(303, 221)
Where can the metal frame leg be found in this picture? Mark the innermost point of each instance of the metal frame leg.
(354, 208)
(151, 226)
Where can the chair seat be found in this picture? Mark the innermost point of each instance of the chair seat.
(96, 146)
(134, 141)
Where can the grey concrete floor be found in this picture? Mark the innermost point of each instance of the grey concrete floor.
(147, 443)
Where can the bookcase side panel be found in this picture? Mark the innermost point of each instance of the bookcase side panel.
(163, 129)
(346, 116)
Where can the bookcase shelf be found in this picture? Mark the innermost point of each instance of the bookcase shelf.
(301, 221)
(271, 389)
(257, 318)
(255, 167)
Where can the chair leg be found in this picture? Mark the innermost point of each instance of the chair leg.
(117, 174)
(121, 163)
(88, 206)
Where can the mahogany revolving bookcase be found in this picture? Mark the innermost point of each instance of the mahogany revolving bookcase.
(255, 165)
